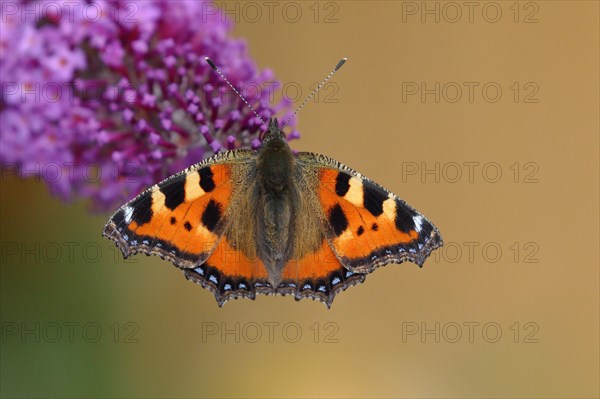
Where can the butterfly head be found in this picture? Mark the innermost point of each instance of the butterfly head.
(274, 132)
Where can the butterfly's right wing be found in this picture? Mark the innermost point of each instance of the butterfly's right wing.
(366, 225)
(347, 227)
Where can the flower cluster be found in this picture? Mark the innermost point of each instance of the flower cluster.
(119, 97)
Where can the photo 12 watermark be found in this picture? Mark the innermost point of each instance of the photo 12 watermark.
(61, 253)
(470, 171)
(70, 332)
(93, 92)
(253, 12)
(290, 332)
(452, 332)
(125, 12)
(487, 252)
(470, 92)
(470, 12)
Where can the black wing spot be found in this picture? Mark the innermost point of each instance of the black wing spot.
(337, 219)
(207, 182)
(375, 227)
(173, 220)
(174, 191)
(342, 184)
(187, 226)
(404, 218)
(119, 218)
(373, 199)
(211, 215)
(360, 230)
(142, 209)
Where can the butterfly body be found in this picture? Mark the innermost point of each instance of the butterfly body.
(277, 203)
(273, 222)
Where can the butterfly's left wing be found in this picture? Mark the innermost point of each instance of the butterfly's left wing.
(198, 219)
(366, 225)
(182, 218)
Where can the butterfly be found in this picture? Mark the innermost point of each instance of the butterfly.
(270, 221)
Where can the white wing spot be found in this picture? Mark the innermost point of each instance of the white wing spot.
(192, 186)
(213, 279)
(418, 222)
(128, 213)
(389, 208)
(355, 192)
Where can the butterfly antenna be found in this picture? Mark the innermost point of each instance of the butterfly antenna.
(337, 67)
(217, 70)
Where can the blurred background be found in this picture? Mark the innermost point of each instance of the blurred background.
(483, 117)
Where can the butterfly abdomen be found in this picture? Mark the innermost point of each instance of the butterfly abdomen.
(276, 205)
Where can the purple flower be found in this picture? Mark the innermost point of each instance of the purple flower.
(116, 100)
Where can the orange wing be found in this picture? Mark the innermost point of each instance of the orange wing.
(318, 275)
(229, 273)
(368, 226)
(179, 219)
(183, 219)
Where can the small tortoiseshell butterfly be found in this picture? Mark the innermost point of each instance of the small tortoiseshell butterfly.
(273, 222)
